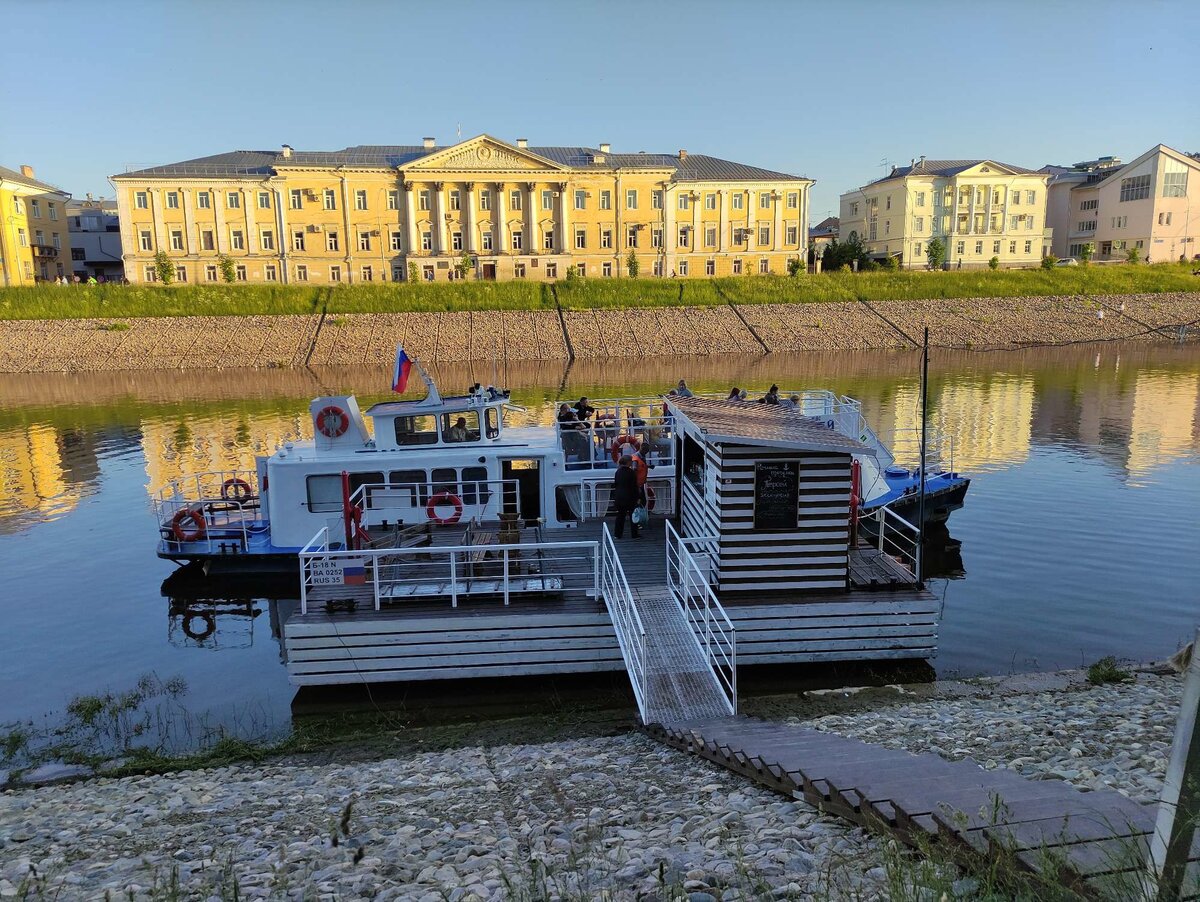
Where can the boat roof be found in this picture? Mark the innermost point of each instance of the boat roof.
(771, 425)
(393, 408)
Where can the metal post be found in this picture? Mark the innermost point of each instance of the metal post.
(375, 578)
(506, 576)
(924, 418)
(303, 584)
(596, 571)
(453, 581)
(1179, 809)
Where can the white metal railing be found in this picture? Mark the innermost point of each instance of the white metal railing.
(215, 510)
(595, 496)
(895, 536)
(627, 622)
(451, 571)
(410, 502)
(589, 446)
(939, 450)
(690, 582)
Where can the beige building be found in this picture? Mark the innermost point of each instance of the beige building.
(978, 209)
(35, 245)
(1151, 204)
(481, 209)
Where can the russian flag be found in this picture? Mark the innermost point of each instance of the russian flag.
(354, 575)
(401, 371)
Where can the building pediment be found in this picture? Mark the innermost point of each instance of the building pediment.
(988, 167)
(483, 154)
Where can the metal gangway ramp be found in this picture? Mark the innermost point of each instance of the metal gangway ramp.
(679, 645)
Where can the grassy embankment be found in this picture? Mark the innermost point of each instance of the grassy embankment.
(118, 302)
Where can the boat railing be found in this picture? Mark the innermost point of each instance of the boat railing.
(939, 450)
(214, 511)
(590, 445)
(497, 570)
(242, 484)
(627, 622)
(596, 497)
(894, 536)
(436, 501)
(690, 572)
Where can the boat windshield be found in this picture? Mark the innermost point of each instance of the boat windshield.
(460, 426)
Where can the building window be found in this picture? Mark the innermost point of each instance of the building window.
(176, 240)
(301, 273)
(551, 270)
(488, 241)
(141, 200)
(268, 241)
(210, 273)
(710, 267)
(77, 253)
(960, 247)
(919, 224)
(331, 241)
(580, 239)
(330, 199)
(1163, 218)
(683, 236)
(917, 249)
(202, 200)
(920, 199)
(889, 202)
(514, 200)
(180, 273)
(656, 200)
(684, 200)
(738, 201)
(427, 241)
(606, 270)
(427, 273)
(737, 263)
(233, 200)
(605, 200)
(1175, 184)
(1118, 222)
(297, 241)
(206, 240)
(764, 200)
(393, 199)
(631, 236)
(764, 235)
(979, 247)
(710, 200)
(368, 274)
(364, 241)
(423, 199)
(295, 199)
(240, 272)
(147, 243)
(995, 247)
(658, 267)
(1135, 188)
(516, 240)
(172, 200)
(335, 274)
(360, 199)
(547, 200)
(683, 267)
(264, 200)
(39, 237)
(455, 199)
(793, 235)
(764, 266)
(887, 227)
(580, 200)
(656, 237)
(854, 209)
(397, 241)
(581, 268)
(1089, 204)
(485, 200)
(793, 200)
(1012, 247)
(1031, 197)
(455, 241)
(397, 273)
(548, 240)
(151, 274)
(237, 240)
(631, 199)
(1028, 247)
(519, 270)
(606, 238)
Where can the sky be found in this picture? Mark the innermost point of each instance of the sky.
(835, 91)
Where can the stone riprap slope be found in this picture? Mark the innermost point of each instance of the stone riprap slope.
(370, 339)
(617, 817)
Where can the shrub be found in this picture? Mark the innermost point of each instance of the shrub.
(935, 253)
(1106, 671)
(994, 264)
(794, 266)
(1049, 262)
(1132, 255)
(164, 267)
(631, 264)
(890, 263)
(228, 268)
(1086, 252)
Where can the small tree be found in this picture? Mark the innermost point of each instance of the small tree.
(165, 268)
(1049, 262)
(631, 264)
(463, 266)
(1086, 252)
(795, 267)
(935, 252)
(228, 268)
(994, 264)
(1133, 255)
(572, 274)
(890, 263)
(413, 272)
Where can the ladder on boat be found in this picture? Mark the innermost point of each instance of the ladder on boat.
(678, 644)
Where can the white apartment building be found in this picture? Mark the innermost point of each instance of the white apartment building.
(979, 209)
(95, 240)
(1151, 204)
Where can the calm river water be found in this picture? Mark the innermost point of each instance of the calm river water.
(1080, 536)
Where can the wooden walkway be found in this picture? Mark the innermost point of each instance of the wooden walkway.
(1044, 825)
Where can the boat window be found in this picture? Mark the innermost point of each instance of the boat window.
(492, 418)
(445, 479)
(418, 430)
(460, 426)
(412, 482)
(358, 480)
(474, 484)
(324, 493)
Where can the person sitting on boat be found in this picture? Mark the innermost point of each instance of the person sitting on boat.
(458, 432)
(584, 410)
(569, 427)
(682, 389)
(771, 397)
(791, 402)
(735, 394)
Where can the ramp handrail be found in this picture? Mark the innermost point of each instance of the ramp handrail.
(627, 622)
(896, 537)
(711, 627)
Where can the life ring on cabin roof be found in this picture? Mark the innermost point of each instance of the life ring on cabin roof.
(444, 498)
(187, 515)
(236, 489)
(206, 618)
(332, 421)
(621, 441)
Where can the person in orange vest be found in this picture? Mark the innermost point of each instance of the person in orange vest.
(640, 470)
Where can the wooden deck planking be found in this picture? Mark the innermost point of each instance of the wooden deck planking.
(1046, 824)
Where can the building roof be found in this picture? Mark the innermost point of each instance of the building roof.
(263, 163)
(827, 226)
(946, 168)
(14, 175)
(770, 425)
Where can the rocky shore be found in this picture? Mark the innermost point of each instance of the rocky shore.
(616, 817)
(90, 345)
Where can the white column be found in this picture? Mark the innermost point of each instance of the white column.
(776, 239)
(156, 214)
(566, 239)
(670, 202)
(723, 237)
(218, 202)
(472, 238)
(190, 238)
(284, 246)
(532, 247)
(501, 237)
(441, 245)
(251, 229)
(410, 219)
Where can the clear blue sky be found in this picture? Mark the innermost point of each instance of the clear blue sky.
(826, 90)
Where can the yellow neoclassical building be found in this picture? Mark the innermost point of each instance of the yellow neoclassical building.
(978, 209)
(382, 213)
(35, 244)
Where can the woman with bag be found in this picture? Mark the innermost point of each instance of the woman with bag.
(625, 497)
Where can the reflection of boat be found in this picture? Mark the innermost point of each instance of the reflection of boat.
(212, 622)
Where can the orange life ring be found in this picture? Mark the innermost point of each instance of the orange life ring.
(444, 498)
(178, 528)
(621, 441)
(332, 421)
(236, 489)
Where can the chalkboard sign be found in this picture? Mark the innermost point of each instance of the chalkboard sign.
(776, 494)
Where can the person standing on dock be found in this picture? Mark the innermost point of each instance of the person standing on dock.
(625, 496)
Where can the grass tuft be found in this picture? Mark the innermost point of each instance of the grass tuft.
(1106, 671)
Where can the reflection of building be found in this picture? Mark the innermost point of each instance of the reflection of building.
(34, 241)
(1163, 421)
(41, 478)
(209, 444)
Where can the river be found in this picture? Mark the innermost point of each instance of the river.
(1080, 536)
